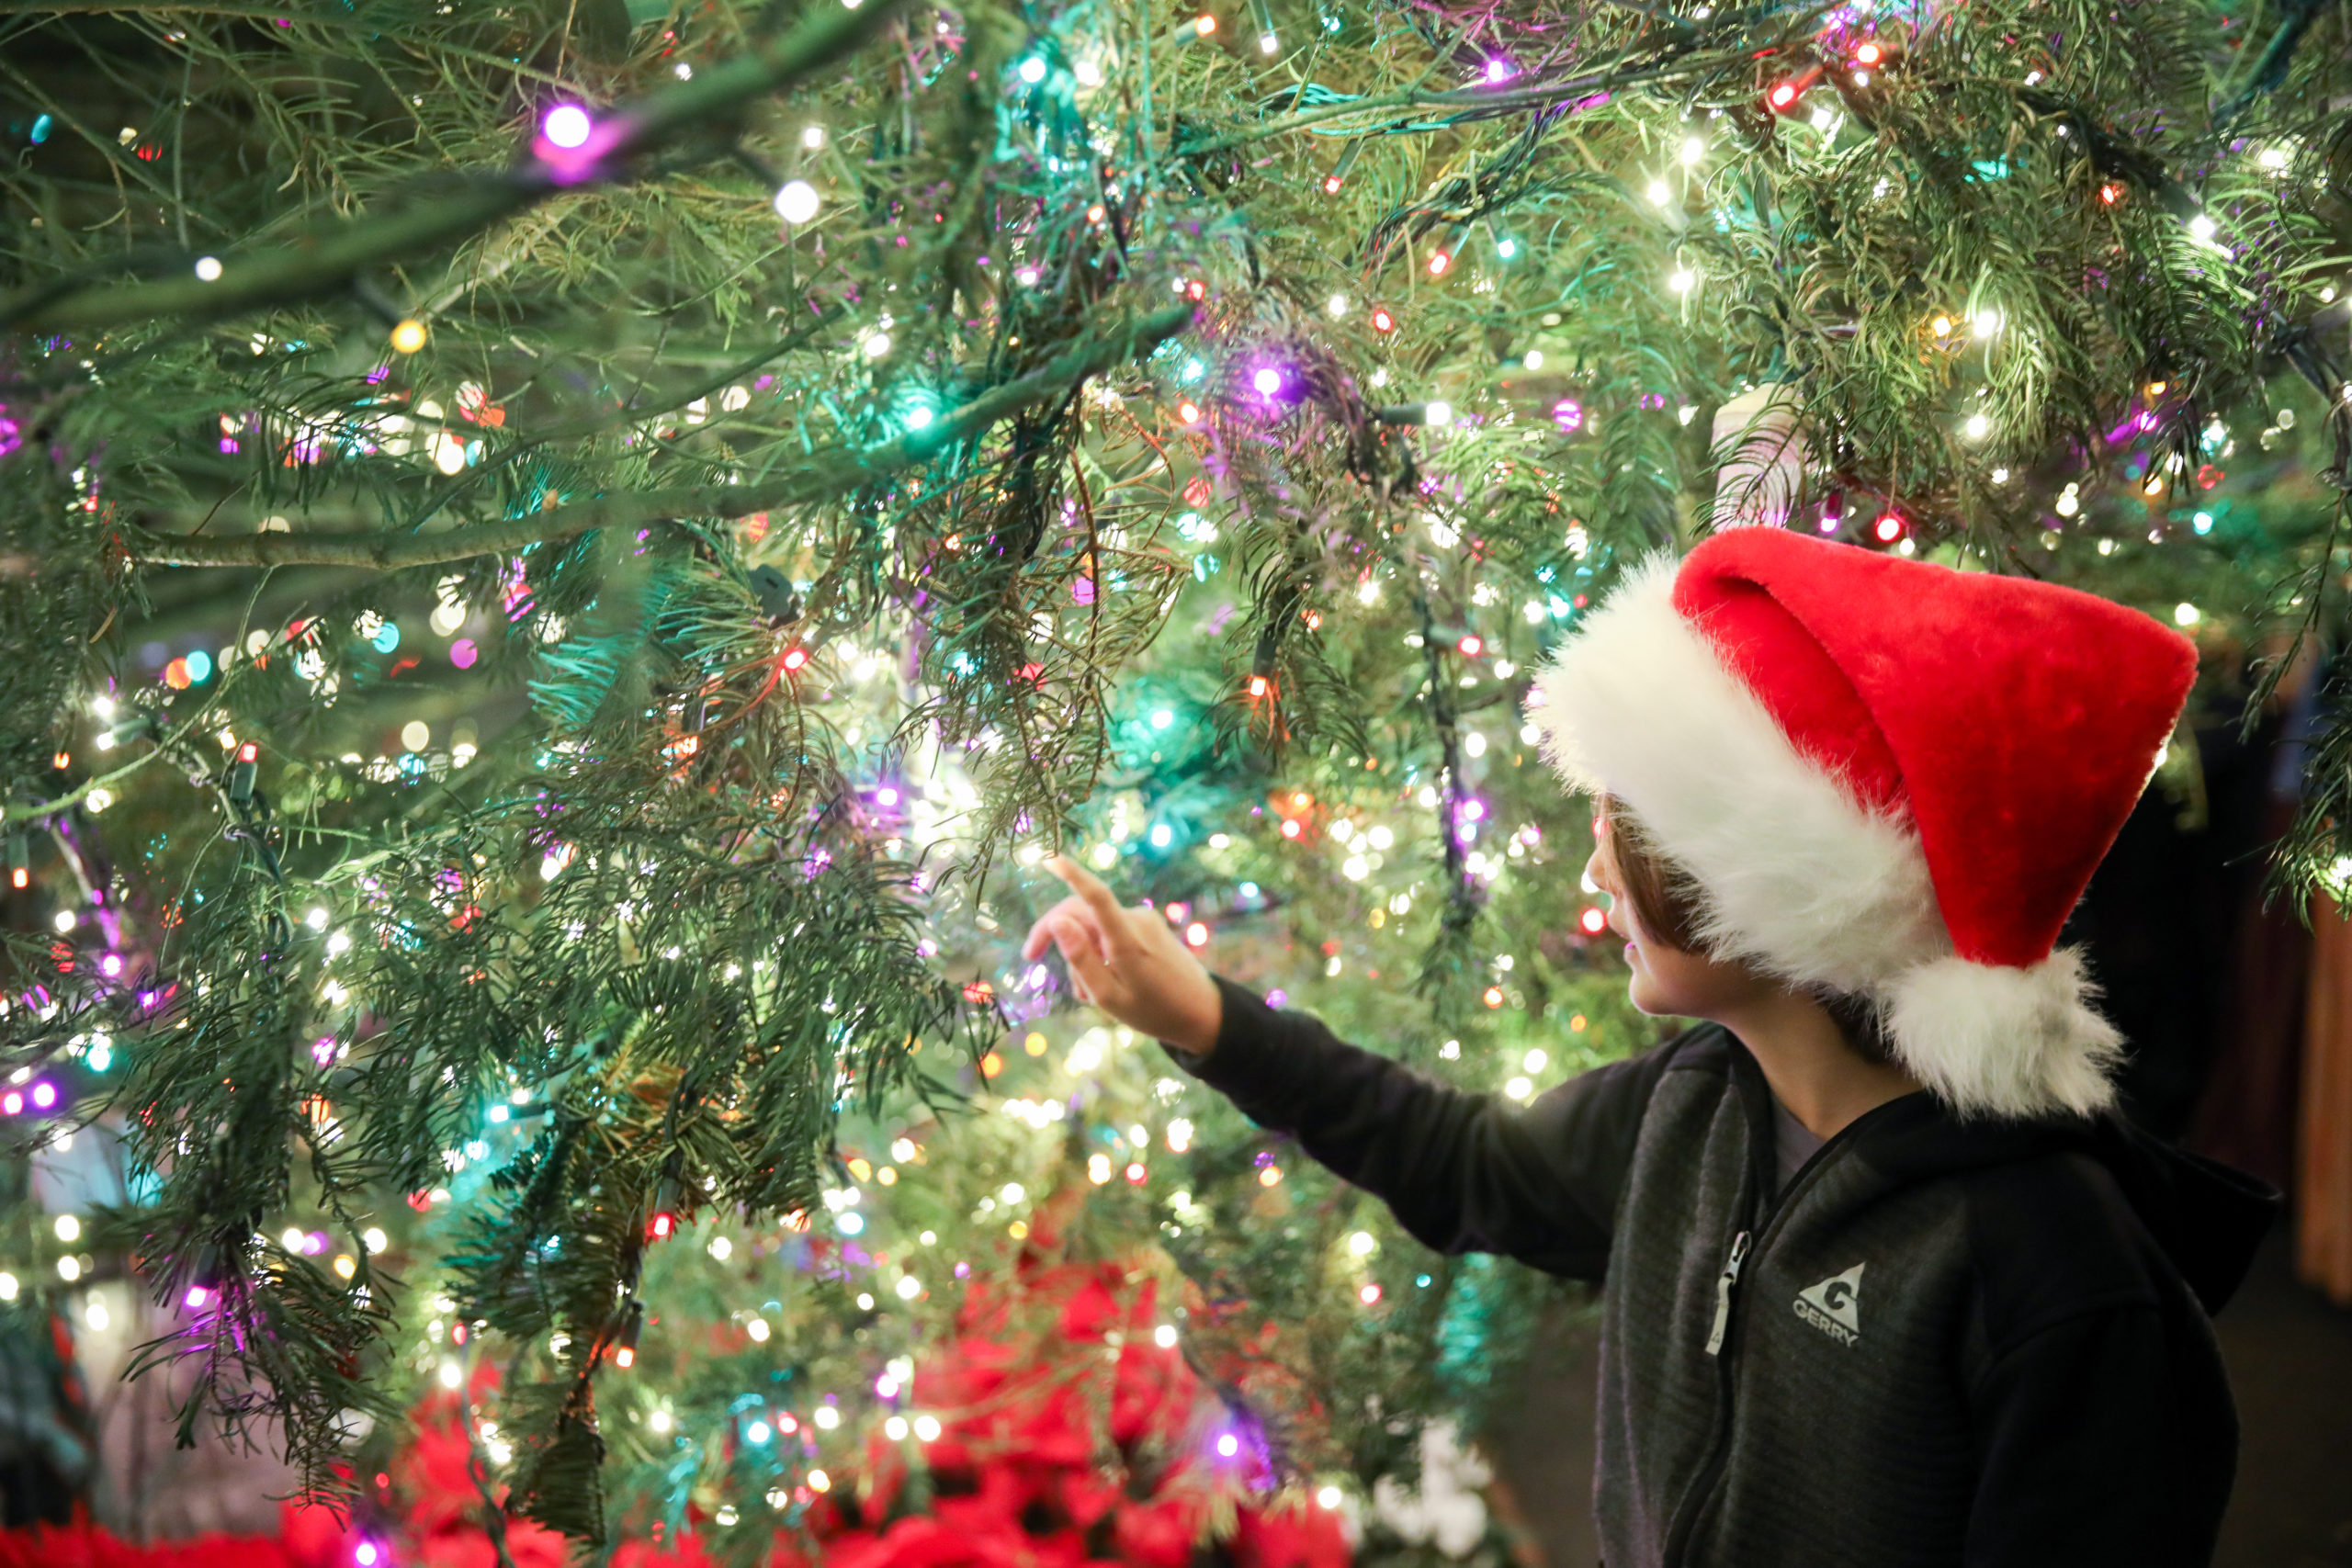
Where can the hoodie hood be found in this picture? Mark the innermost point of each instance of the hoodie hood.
(2207, 1217)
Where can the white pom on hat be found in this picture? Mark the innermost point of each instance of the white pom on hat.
(1990, 1038)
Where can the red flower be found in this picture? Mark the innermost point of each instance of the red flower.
(1158, 1534)
(1290, 1538)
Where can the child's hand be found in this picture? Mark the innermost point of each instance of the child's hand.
(1128, 963)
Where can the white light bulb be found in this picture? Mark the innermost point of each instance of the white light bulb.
(1437, 413)
(1267, 43)
(1659, 194)
(2202, 226)
(1032, 70)
(1693, 150)
(798, 201)
(567, 125)
(208, 268)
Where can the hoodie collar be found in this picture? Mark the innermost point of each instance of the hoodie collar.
(2206, 1216)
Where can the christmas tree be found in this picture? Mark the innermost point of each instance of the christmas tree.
(565, 564)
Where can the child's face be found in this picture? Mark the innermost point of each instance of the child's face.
(1665, 981)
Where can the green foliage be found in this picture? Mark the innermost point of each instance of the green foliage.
(686, 534)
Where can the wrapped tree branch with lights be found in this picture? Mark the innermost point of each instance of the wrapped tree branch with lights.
(565, 564)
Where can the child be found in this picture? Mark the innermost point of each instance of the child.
(1887, 1281)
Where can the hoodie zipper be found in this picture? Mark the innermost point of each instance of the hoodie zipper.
(1725, 1283)
(1694, 1500)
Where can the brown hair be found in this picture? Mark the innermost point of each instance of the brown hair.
(1666, 899)
(1671, 907)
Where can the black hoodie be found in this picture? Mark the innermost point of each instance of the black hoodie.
(1980, 1343)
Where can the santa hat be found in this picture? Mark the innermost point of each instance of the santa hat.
(1886, 778)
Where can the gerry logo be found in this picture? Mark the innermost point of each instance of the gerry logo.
(1834, 1306)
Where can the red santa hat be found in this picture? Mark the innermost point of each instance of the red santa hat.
(1886, 778)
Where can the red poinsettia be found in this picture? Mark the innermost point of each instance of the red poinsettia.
(1069, 1436)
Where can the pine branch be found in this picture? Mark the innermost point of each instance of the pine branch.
(821, 476)
(1476, 102)
(334, 257)
(168, 744)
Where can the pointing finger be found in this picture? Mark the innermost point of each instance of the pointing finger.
(1100, 900)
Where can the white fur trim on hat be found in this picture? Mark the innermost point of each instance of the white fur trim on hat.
(1990, 1040)
(1798, 874)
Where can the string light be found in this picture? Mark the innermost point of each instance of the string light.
(796, 202)
(567, 126)
(408, 336)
